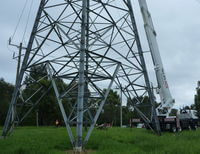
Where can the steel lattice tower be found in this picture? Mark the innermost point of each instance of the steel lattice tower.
(90, 45)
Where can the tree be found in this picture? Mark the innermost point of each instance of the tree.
(173, 112)
(48, 108)
(111, 109)
(197, 102)
(192, 107)
(6, 90)
(127, 114)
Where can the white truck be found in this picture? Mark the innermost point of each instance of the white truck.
(188, 119)
(184, 118)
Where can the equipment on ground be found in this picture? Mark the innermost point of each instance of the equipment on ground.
(188, 119)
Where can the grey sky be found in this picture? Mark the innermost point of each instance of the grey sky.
(177, 24)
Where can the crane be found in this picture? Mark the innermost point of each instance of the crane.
(184, 119)
(167, 101)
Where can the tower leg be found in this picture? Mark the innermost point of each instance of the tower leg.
(150, 93)
(8, 122)
(81, 82)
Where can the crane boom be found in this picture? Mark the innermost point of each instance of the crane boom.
(167, 101)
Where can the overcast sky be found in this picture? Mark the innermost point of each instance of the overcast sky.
(177, 23)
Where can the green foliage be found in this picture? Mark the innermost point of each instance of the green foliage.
(48, 109)
(173, 112)
(51, 140)
(111, 109)
(193, 107)
(197, 102)
(6, 90)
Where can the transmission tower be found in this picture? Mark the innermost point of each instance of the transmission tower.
(91, 45)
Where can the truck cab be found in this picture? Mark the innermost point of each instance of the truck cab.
(188, 119)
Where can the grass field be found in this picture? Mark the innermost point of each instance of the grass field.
(50, 140)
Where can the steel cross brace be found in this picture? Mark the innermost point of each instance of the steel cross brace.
(59, 100)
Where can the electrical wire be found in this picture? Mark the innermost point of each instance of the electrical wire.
(19, 20)
(27, 22)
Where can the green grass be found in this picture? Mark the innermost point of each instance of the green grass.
(51, 140)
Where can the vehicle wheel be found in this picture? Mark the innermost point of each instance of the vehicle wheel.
(189, 127)
(173, 129)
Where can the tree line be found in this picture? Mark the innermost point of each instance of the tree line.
(48, 110)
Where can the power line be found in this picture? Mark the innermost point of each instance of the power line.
(31, 6)
(19, 19)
